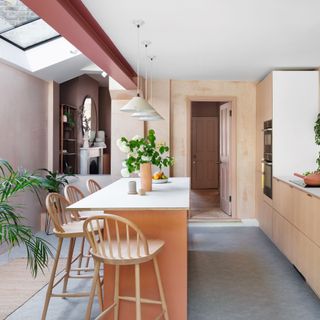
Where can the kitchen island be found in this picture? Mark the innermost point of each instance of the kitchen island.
(160, 214)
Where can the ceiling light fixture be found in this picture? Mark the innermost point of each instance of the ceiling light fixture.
(152, 116)
(103, 74)
(138, 103)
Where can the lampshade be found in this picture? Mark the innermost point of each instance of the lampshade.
(152, 117)
(140, 114)
(137, 104)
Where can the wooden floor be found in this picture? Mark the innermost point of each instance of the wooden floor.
(205, 205)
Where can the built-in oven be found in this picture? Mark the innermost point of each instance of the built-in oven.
(267, 158)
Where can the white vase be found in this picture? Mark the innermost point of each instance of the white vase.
(86, 140)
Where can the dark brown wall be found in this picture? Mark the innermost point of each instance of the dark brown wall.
(74, 92)
(205, 109)
(105, 114)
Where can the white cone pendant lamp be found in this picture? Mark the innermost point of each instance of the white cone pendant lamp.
(138, 104)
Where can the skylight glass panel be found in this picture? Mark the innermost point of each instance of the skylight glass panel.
(30, 34)
(22, 27)
(14, 13)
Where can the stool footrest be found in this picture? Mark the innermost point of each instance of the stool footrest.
(71, 295)
(143, 300)
(106, 311)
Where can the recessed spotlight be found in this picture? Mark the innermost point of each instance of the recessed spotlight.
(103, 74)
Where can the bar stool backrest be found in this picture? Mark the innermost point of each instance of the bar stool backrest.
(93, 186)
(57, 208)
(114, 237)
(73, 194)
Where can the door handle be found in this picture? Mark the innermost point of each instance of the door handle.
(219, 162)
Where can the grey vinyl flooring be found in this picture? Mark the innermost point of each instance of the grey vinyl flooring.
(235, 273)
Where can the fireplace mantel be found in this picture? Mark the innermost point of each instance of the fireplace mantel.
(87, 155)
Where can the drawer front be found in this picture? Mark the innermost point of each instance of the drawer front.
(282, 199)
(306, 210)
(265, 217)
(283, 235)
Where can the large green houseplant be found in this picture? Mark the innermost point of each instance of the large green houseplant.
(13, 230)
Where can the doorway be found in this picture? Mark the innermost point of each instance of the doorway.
(210, 138)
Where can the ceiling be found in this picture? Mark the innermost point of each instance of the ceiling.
(215, 39)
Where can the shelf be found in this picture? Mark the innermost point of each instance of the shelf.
(70, 140)
(69, 154)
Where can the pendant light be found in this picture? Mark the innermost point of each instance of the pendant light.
(138, 103)
(152, 116)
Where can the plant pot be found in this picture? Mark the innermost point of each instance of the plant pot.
(146, 176)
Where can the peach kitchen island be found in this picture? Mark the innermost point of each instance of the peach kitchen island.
(160, 214)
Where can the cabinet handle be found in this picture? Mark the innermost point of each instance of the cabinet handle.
(309, 195)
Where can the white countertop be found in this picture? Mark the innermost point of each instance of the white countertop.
(174, 195)
(312, 191)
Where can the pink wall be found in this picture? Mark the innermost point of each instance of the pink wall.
(23, 128)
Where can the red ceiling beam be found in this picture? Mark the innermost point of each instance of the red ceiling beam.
(75, 23)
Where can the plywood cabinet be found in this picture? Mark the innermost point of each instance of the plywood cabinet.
(306, 208)
(282, 234)
(266, 218)
(296, 229)
(282, 191)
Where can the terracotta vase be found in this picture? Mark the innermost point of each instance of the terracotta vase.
(146, 176)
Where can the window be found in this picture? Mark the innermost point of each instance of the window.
(21, 27)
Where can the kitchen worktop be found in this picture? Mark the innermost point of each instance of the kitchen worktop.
(314, 191)
(173, 195)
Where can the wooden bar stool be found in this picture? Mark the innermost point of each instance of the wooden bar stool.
(93, 186)
(73, 194)
(65, 226)
(125, 244)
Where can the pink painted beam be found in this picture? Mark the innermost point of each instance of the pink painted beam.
(75, 23)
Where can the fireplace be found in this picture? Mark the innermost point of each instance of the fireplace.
(91, 160)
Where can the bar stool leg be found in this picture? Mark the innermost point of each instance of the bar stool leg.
(138, 296)
(99, 293)
(116, 292)
(68, 265)
(162, 296)
(50, 284)
(81, 254)
(93, 289)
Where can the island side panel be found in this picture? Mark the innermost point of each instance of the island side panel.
(167, 225)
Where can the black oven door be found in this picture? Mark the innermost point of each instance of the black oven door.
(267, 179)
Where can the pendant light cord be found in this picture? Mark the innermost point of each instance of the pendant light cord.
(146, 71)
(138, 59)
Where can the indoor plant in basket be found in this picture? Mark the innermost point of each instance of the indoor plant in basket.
(141, 154)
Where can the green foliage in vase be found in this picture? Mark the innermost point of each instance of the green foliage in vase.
(70, 120)
(143, 150)
(13, 231)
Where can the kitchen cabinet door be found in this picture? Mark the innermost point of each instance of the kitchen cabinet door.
(283, 235)
(283, 199)
(306, 210)
(266, 219)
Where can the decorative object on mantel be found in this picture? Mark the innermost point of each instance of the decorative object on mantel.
(141, 153)
(86, 139)
(100, 140)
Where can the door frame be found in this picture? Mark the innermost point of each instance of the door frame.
(233, 151)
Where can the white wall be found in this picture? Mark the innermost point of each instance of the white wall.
(295, 110)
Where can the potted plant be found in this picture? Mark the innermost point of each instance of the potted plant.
(13, 230)
(51, 181)
(312, 178)
(141, 154)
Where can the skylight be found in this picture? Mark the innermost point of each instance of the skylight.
(21, 27)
